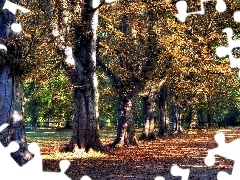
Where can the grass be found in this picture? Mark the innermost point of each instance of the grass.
(47, 134)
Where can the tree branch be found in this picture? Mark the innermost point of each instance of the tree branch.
(113, 78)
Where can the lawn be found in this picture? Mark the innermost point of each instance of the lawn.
(145, 161)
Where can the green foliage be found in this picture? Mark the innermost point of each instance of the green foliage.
(107, 102)
(49, 101)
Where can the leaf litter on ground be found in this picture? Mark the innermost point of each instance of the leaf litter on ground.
(145, 161)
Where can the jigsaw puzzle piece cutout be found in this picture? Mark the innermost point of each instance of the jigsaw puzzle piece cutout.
(35, 164)
(227, 150)
(3, 126)
(12, 7)
(85, 177)
(54, 175)
(64, 164)
(159, 178)
(223, 176)
(236, 16)
(182, 9)
(15, 27)
(222, 51)
(221, 6)
(9, 162)
(177, 171)
(5, 153)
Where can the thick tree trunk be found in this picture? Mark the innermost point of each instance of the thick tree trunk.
(148, 116)
(82, 73)
(11, 112)
(85, 125)
(164, 121)
(126, 125)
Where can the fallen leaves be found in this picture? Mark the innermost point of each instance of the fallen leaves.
(147, 160)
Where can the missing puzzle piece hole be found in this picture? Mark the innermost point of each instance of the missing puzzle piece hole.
(34, 148)
(209, 160)
(17, 28)
(220, 138)
(5, 125)
(221, 51)
(221, 6)
(85, 178)
(181, 7)
(182, 10)
(159, 178)
(223, 176)
(236, 16)
(13, 146)
(64, 164)
(177, 171)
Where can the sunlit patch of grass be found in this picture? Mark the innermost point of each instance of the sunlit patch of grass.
(76, 155)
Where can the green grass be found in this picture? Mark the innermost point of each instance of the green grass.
(53, 134)
(47, 134)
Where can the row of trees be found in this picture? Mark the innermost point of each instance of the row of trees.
(142, 50)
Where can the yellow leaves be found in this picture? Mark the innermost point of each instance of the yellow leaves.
(108, 91)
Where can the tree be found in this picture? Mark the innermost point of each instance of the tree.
(80, 66)
(133, 56)
(11, 89)
(200, 79)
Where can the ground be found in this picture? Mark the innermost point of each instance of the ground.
(146, 161)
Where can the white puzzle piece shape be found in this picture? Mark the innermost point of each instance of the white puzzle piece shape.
(182, 9)
(222, 51)
(227, 150)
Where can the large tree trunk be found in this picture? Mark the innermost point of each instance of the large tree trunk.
(148, 109)
(164, 121)
(85, 125)
(126, 125)
(11, 112)
(82, 73)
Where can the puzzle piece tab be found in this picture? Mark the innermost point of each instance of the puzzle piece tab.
(182, 9)
(236, 16)
(5, 156)
(15, 27)
(31, 170)
(177, 171)
(222, 51)
(227, 150)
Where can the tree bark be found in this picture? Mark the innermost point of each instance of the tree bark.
(164, 121)
(148, 116)
(126, 100)
(11, 91)
(82, 73)
(11, 112)
(126, 125)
